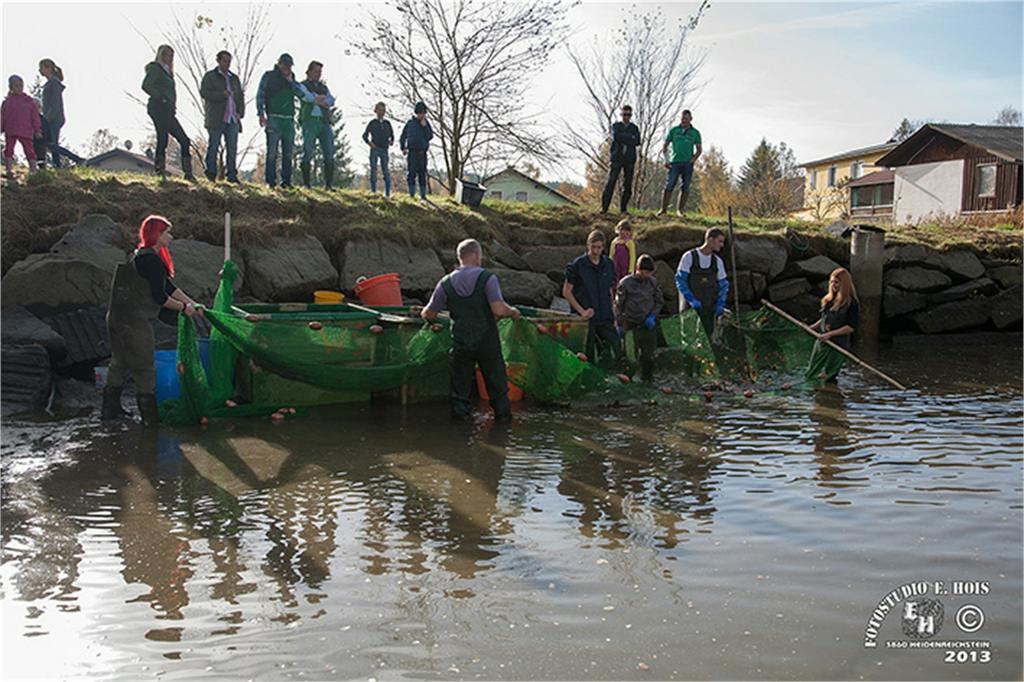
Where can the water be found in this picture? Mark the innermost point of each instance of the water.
(723, 541)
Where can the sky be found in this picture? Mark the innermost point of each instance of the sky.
(823, 77)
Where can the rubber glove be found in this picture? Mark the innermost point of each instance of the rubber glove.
(650, 321)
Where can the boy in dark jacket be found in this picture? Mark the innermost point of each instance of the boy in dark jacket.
(379, 136)
(415, 141)
(638, 300)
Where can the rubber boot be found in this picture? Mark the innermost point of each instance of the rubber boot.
(683, 196)
(666, 197)
(306, 175)
(328, 176)
(147, 409)
(160, 164)
(186, 167)
(112, 404)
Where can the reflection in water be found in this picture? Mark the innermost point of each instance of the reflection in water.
(362, 540)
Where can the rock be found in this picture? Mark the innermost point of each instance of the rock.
(288, 268)
(19, 327)
(954, 316)
(420, 268)
(839, 228)
(960, 265)
(761, 254)
(1007, 276)
(197, 268)
(907, 254)
(977, 287)
(85, 333)
(560, 304)
(73, 395)
(666, 276)
(1007, 308)
(896, 302)
(804, 307)
(814, 268)
(751, 286)
(506, 257)
(551, 260)
(96, 239)
(787, 289)
(45, 283)
(525, 288)
(915, 278)
(25, 379)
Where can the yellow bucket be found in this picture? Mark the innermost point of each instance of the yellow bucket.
(328, 297)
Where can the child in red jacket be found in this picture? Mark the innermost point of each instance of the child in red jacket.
(19, 122)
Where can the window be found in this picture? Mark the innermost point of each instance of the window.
(495, 194)
(871, 195)
(520, 196)
(987, 180)
(832, 176)
(814, 179)
(856, 169)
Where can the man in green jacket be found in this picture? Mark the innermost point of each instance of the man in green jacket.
(224, 104)
(275, 104)
(315, 115)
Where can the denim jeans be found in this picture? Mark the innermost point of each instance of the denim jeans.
(681, 171)
(313, 131)
(417, 162)
(166, 124)
(376, 153)
(230, 133)
(51, 132)
(280, 130)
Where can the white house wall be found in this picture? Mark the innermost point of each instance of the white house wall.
(927, 188)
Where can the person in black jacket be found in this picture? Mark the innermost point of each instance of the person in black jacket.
(379, 136)
(624, 140)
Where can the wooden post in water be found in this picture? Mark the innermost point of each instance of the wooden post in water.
(867, 257)
(732, 257)
(227, 236)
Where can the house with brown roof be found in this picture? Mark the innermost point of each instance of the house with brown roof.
(514, 185)
(949, 169)
(826, 179)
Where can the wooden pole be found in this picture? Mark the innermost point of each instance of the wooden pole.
(732, 253)
(227, 236)
(783, 314)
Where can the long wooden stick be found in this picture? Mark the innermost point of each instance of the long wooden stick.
(227, 236)
(386, 317)
(782, 313)
(735, 276)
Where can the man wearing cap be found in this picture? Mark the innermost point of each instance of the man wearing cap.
(414, 142)
(473, 297)
(275, 104)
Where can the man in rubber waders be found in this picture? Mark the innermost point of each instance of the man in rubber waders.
(473, 297)
(143, 289)
(702, 281)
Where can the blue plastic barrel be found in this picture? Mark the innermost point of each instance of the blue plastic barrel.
(168, 384)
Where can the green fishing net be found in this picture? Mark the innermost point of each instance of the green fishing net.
(265, 357)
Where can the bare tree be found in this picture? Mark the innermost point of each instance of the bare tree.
(1008, 116)
(102, 141)
(471, 61)
(648, 65)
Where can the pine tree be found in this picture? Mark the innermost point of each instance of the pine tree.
(716, 182)
(763, 188)
(343, 171)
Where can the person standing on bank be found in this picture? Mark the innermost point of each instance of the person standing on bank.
(589, 279)
(638, 300)
(625, 136)
(224, 105)
(686, 149)
(53, 111)
(379, 136)
(473, 296)
(159, 85)
(840, 310)
(414, 142)
(142, 289)
(315, 114)
(275, 104)
(702, 281)
(20, 122)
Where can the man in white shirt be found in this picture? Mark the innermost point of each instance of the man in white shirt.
(702, 281)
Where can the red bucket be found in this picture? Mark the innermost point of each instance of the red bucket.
(382, 290)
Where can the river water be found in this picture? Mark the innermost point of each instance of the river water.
(729, 540)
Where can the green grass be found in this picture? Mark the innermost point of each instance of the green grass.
(35, 212)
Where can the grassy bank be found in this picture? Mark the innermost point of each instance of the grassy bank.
(36, 211)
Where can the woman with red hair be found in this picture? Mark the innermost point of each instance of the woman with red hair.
(839, 309)
(143, 290)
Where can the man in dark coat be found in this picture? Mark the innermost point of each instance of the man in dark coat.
(624, 140)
